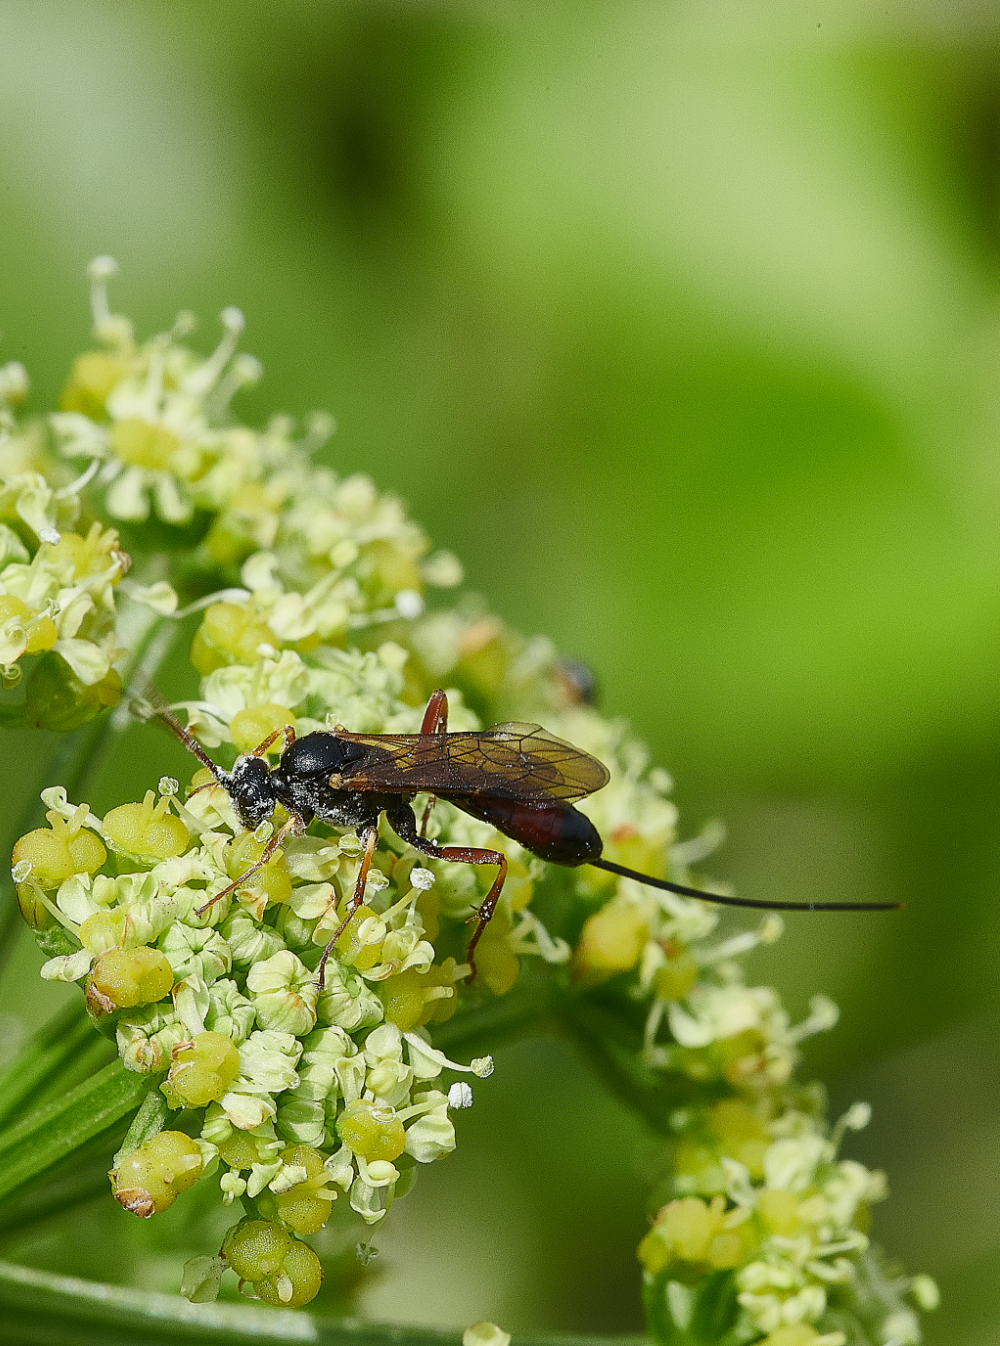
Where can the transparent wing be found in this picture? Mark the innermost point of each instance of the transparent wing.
(509, 761)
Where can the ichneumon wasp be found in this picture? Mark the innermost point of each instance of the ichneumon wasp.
(519, 778)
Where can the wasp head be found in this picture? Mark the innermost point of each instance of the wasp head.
(251, 790)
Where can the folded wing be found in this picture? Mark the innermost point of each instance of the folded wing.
(509, 761)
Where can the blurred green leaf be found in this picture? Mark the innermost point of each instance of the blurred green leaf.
(67, 1123)
(46, 1310)
(40, 1067)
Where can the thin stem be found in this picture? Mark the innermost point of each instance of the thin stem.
(43, 1308)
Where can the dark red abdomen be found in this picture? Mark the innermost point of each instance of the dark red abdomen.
(555, 832)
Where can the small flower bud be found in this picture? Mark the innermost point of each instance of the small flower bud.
(306, 1206)
(123, 978)
(283, 1271)
(146, 832)
(857, 1116)
(485, 1334)
(272, 883)
(925, 1292)
(360, 945)
(250, 727)
(92, 377)
(497, 962)
(691, 1230)
(57, 852)
(229, 634)
(29, 902)
(372, 1132)
(412, 998)
(257, 1248)
(202, 1070)
(152, 1177)
(297, 1283)
(432, 1135)
(779, 1211)
(611, 941)
(55, 698)
(675, 978)
(285, 993)
(743, 1135)
(142, 444)
(23, 630)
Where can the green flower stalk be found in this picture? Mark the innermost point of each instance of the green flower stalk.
(297, 1098)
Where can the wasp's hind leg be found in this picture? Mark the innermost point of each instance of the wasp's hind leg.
(404, 825)
(435, 722)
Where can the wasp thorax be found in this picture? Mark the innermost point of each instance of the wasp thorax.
(320, 754)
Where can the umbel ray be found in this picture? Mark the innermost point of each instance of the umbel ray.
(519, 778)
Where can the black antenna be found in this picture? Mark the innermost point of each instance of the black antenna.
(151, 706)
(740, 901)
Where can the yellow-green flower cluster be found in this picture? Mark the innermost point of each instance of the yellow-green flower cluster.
(57, 599)
(223, 1009)
(319, 556)
(786, 1216)
(312, 594)
(758, 1189)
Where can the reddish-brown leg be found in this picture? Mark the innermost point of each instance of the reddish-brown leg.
(425, 817)
(289, 736)
(435, 722)
(403, 824)
(469, 855)
(486, 907)
(370, 842)
(436, 715)
(293, 824)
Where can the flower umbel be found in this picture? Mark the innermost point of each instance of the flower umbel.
(202, 963)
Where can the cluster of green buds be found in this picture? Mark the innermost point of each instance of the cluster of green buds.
(298, 1093)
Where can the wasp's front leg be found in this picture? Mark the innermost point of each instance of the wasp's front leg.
(369, 839)
(289, 736)
(293, 824)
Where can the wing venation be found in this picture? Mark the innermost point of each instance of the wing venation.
(509, 761)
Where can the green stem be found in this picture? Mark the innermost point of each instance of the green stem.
(48, 1310)
(81, 1176)
(146, 1123)
(613, 1048)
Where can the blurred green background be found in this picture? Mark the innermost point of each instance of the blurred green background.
(678, 322)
